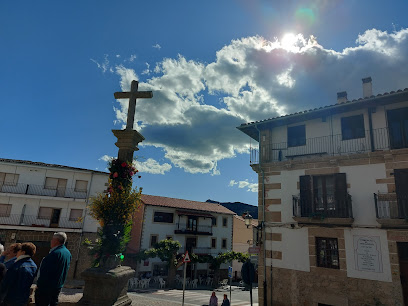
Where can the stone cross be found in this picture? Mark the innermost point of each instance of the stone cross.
(133, 95)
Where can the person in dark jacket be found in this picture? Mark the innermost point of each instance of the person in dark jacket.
(9, 256)
(3, 270)
(15, 288)
(53, 272)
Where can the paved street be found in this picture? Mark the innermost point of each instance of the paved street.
(192, 297)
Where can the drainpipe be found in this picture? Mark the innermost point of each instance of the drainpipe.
(371, 110)
(263, 222)
(83, 224)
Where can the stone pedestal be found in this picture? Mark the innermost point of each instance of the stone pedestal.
(106, 287)
(127, 143)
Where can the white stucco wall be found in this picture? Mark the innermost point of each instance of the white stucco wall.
(294, 247)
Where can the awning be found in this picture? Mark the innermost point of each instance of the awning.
(193, 213)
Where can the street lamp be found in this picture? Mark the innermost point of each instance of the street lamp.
(248, 222)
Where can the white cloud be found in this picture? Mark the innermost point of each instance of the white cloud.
(152, 166)
(147, 70)
(106, 158)
(196, 106)
(252, 187)
(132, 57)
(104, 66)
(157, 46)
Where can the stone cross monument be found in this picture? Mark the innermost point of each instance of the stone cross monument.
(129, 138)
(107, 285)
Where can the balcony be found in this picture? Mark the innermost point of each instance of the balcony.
(39, 190)
(34, 221)
(391, 210)
(330, 145)
(323, 210)
(194, 230)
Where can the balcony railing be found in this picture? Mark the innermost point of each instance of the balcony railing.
(391, 206)
(34, 221)
(322, 146)
(196, 230)
(323, 207)
(41, 191)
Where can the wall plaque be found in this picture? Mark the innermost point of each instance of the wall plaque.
(367, 253)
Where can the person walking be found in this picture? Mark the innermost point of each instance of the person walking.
(213, 300)
(15, 288)
(225, 301)
(53, 272)
(9, 256)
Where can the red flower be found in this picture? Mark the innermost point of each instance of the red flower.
(131, 173)
(124, 164)
(115, 174)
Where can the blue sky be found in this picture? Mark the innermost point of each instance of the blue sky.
(211, 65)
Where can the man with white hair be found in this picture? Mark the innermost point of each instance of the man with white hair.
(53, 271)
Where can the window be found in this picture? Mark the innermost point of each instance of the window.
(327, 252)
(224, 222)
(224, 243)
(352, 127)
(153, 240)
(398, 127)
(296, 136)
(214, 221)
(324, 195)
(75, 214)
(45, 213)
(81, 186)
(163, 217)
(55, 183)
(5, 210)
(213, 243)
(9, 179)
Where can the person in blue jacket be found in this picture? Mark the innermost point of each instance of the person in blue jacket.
(15, 287)
(53, 272)
(9, 256)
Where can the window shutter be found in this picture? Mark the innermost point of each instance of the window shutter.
(45, 213)
(341, 195)
(11, 179)
(75, 214)
(5, 210)
(51, 183)
(81, 186)
(306, 195)
(401, 183)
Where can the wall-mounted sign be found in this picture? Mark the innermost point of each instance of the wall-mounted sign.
(367, 253)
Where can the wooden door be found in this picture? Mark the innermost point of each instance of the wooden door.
(401, 188)
(403, 261)
(55, 216)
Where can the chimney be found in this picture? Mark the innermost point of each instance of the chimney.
(341, 97)
(367, 87)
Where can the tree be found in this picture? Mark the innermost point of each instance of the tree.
(114, 211)
(216, 261)
(167, 250)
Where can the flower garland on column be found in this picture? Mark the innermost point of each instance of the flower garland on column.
(114, 211)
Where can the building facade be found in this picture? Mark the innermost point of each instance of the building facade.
(333, 202)
(200, 227)
(38, 199)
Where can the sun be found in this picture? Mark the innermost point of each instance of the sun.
(288, 41)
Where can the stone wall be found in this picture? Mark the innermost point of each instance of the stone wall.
(328, 286)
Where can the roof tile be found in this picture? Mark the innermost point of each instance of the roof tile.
(185, 204)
